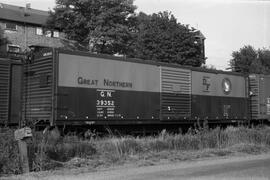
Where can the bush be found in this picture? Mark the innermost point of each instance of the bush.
(51, 150)
(9, 153)
(65, 151)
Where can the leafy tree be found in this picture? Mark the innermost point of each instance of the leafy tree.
(104, 26)
(241, 60)
(264, 58)
(210, 67)
(112, 27)
(160, 37)
(250, 60)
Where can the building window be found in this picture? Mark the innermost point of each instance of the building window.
(11, 26)
(39, 31)
(13, 48)
(56, 34)
(48, 33)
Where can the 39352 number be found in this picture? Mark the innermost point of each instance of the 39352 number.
(105, 103)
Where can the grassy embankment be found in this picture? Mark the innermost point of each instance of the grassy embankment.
(53, 152)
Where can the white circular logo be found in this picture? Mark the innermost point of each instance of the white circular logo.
(226, 86)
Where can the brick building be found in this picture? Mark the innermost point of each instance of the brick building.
(24, 27)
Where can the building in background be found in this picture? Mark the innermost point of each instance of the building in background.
(24, 27)
(201, 38)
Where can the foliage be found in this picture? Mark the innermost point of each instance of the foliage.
(160, 37)
(50, 151)
(103, 26)
(9, 153)
(264, 58)
(112, 27)
(250, 60)
(210, 67)
(231, 137)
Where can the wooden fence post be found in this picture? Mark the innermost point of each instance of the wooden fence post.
(21, 135)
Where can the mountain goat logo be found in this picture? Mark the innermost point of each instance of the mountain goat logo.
(226, 86)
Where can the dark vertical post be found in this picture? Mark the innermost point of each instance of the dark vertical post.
(249, 100)
(23, 156)
(22, 135)
(55, 60)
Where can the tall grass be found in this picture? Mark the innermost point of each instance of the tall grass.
(51, 151)
(204, 139)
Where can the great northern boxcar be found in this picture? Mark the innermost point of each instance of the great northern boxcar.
(63, 87)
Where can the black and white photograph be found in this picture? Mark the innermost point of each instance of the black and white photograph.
(134, 89)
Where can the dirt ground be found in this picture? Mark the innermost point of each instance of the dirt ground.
(227, 167)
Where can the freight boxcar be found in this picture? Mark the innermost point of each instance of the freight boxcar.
(10, 91)
(64, 87)
(260, 96)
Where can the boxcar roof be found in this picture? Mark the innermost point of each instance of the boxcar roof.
(8, 60)
(150, 62)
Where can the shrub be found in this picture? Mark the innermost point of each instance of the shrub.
(64, 151)
(52, 150)
(9, 153)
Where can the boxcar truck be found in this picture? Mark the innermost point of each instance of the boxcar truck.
(77, 88)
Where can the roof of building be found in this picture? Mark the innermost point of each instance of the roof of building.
(23, 14)
(200, 34)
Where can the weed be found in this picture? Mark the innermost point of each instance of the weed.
(51, 151)
(9, 153)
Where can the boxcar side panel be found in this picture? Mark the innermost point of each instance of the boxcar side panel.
(91, 88)
(15, 93)
(4, 90)
(10, 91)
(175, 93)
(38, 91)
(260, 96)
(254, 88)
(267, 96)
(260, 99)
(219, 96)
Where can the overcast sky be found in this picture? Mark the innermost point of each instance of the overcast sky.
(227, 25)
